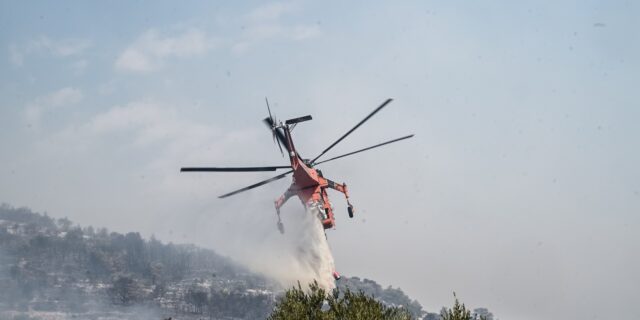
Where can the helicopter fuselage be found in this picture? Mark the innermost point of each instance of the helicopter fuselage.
(310, 186)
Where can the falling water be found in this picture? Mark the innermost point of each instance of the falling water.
(313, 253)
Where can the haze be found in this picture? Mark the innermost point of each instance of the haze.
(520, 190)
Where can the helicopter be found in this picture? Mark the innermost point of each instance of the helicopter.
(308, 183)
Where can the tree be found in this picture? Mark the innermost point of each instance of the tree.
(64, 224)
(124, 290)
(316, 304)
(198, 299)
(459, 312)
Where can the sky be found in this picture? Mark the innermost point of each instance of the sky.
(520, 190)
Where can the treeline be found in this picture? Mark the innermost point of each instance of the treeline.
(51, 264)
(59, 244)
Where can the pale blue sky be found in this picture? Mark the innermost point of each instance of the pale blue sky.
(520, 190)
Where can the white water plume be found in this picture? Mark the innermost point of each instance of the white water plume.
(314, 256)
(302, 254)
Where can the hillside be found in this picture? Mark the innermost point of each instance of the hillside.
(53, 269)
(51, 265)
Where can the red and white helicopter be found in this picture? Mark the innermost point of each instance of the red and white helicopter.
(308, 183)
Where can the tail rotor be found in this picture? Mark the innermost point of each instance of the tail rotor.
(274, 126)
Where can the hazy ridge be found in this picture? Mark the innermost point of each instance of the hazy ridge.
(53, 269)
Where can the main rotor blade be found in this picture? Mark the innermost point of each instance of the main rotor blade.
(256, 185)
(232, 169)
(354, 128)
(365, 149)
(279, 146)
(268, 109)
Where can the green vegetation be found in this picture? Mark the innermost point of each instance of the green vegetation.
(388, 296)
(317, 304)
(460, 312)
(344, 304)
